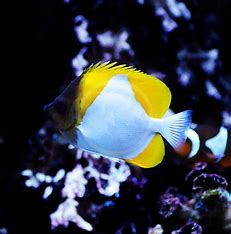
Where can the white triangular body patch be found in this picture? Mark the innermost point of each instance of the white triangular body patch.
(115, 124)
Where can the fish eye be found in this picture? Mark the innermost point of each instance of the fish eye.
(60, 107)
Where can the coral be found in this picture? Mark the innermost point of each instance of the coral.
(209, 201)
(156, 230)
(171, 202)
(170, 10)
(189, 228)
(67, 212)
(108, 174)
(208, 184)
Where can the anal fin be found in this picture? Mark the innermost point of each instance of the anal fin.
(152, 155)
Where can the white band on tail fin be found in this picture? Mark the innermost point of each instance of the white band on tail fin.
(173, 128)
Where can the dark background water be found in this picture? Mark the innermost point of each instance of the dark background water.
(40, 45)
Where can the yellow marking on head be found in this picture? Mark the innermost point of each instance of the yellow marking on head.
(152, 93)
(152, 155)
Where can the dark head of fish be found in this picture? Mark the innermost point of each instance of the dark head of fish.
(63, 109)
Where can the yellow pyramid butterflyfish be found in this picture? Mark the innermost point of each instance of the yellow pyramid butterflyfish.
(117, 111)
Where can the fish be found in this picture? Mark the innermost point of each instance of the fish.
(210, 143)
(117, 111)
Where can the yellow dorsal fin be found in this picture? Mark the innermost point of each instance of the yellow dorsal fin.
(152, 155)
(94, 79)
